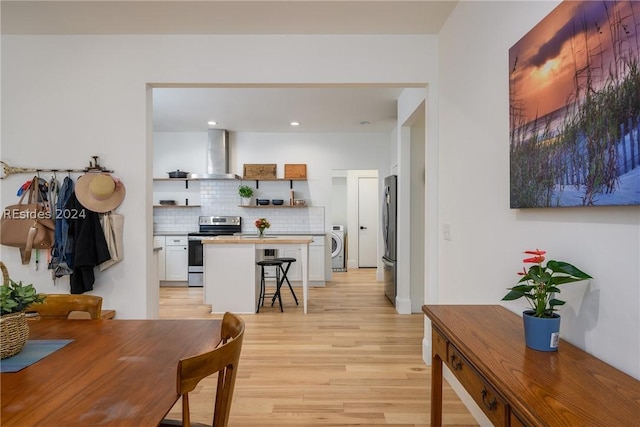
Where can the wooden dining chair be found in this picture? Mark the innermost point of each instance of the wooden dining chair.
(59, 306)
(223, 360)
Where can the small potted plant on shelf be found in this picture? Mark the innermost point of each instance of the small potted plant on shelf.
(14, 299)
(538, 285)
(245, 193)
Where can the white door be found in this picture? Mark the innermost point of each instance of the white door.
(368, 222)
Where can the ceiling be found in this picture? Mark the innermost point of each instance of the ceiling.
(321, 109)
(223, 17)
(248, 109)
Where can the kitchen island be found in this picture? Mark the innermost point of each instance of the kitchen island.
(231, 276)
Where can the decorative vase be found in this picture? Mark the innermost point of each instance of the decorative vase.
(260, 233)
(541, 333)
(14, 332)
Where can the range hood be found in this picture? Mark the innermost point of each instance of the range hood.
(217, 156)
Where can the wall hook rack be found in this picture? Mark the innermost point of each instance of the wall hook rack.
(94, 166)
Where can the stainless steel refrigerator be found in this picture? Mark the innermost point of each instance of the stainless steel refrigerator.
(389, 233)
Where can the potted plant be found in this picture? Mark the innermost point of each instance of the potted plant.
(539, 285)
(245, 193)
(14, 330)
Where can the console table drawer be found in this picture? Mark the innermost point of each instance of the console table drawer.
(518, 386)
(485, 396)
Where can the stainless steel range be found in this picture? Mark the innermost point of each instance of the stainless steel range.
(208, 226)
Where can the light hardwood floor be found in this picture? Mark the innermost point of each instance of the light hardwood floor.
(350, 361)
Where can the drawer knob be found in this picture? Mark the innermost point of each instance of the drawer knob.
(456, 363)
(492, 404)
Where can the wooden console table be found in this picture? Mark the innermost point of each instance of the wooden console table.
(484, 348)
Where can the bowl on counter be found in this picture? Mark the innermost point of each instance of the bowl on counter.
(263, 202)
(277, 202)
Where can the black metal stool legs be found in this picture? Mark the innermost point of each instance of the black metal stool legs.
(284, 277)
(285, 270)
(263, 288)
(278, 285)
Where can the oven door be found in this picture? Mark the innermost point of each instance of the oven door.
(195, 262)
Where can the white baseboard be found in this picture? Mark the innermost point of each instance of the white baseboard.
(403, 305)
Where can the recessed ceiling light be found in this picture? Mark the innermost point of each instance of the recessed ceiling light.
(212, 123)
(365, 123)
(295, 123)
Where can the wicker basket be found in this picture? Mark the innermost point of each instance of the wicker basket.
(14, 330)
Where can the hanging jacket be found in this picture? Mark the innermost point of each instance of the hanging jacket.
(61, 259)
(89, 245)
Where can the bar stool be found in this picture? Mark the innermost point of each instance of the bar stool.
(286, 264)
(276, 294)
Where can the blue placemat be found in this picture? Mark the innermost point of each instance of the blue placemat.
(32, 351)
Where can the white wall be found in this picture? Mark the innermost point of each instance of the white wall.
(65, 98)
(338, 212)
(418, 203)
(412, 104)
(481, 260)
(185, 151)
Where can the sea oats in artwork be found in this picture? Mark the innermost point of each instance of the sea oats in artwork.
(574, 101)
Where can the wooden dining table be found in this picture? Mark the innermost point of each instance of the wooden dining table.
(113, 373)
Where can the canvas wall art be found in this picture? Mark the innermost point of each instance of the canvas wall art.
(574, 100)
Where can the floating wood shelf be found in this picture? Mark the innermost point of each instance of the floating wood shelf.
(257, 180)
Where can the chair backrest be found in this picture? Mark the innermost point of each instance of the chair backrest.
(223, 360)
(59, 306)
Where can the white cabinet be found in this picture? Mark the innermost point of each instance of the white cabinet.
(176, 258)
(158, 242)
(316, 261)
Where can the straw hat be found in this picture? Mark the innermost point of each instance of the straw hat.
(99, 192)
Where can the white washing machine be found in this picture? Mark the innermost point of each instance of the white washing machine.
(337, 247)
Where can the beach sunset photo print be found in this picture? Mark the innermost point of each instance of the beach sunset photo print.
(574, 107)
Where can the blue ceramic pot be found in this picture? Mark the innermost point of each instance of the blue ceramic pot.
(541, 333)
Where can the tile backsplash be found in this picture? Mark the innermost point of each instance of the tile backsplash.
(221, 198)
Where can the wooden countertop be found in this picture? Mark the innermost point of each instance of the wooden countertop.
(257, 240)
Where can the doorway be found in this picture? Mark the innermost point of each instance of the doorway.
(355, 195)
